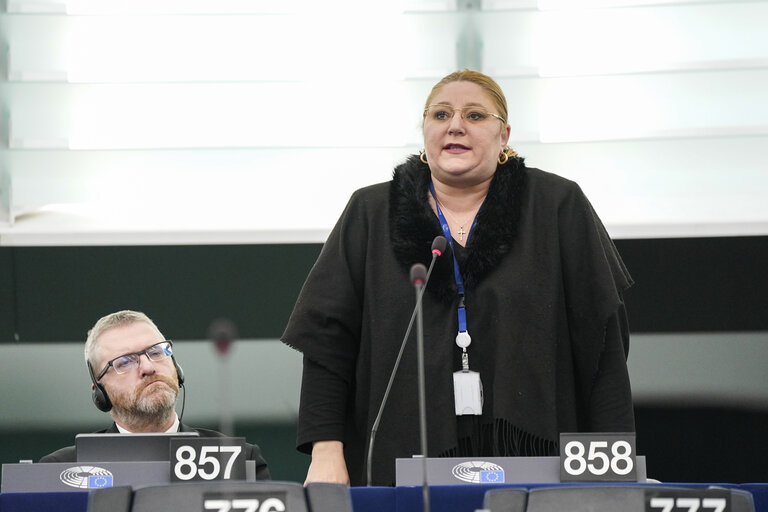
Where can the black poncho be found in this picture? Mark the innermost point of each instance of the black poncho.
(544, 305)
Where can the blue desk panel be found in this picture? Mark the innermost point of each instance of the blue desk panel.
(444, 498)
(468, 498)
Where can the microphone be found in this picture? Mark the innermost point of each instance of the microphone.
(438, 248)
(222, 332)
(418, 276)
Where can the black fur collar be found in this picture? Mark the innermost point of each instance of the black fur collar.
(414, 225)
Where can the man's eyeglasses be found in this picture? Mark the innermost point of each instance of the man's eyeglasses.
(441, 113)
(128, 362)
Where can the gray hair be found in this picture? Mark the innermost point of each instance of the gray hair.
(117, 319)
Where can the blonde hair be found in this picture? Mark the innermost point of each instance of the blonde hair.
(488, 84)
(117, 319)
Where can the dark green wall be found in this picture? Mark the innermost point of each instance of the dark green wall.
(56, 293)
(53, 294)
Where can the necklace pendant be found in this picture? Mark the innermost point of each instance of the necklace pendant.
(461, 233)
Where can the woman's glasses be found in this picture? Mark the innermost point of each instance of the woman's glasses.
(441, 113)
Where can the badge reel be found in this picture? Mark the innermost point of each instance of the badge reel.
(467, 388)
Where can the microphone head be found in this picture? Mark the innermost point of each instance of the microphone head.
(222, 332)
(438, 245)
(418, 273)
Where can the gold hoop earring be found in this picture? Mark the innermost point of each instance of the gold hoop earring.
(423, 157)
(507, 153)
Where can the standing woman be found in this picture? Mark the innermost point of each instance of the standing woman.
(529, 296)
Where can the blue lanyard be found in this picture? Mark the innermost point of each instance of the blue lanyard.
(462, 314)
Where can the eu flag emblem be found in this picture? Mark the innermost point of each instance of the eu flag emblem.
(99, 481)
(492, 477)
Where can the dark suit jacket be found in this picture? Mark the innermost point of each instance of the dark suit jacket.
(252, 451)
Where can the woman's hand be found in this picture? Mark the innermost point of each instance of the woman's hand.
(328, 464)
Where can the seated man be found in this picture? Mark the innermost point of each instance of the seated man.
(136, 379)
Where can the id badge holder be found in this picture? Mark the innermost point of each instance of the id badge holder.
(468, 393)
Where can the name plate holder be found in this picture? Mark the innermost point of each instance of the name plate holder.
(82, 476)
(487, 470)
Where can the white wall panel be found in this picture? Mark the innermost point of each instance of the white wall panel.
(672, 37)
(288, 114)
(223, 48)
(657, 108)
(205, 115)
(641, 188)
(667, 187)
(173, 194)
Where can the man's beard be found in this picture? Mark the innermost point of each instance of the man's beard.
(147, 410)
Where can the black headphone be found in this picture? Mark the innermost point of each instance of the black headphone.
(99, 394)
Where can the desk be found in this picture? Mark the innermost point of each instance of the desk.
(444, 498)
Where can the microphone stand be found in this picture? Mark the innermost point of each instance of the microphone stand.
(223, 333)
(419, 285)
